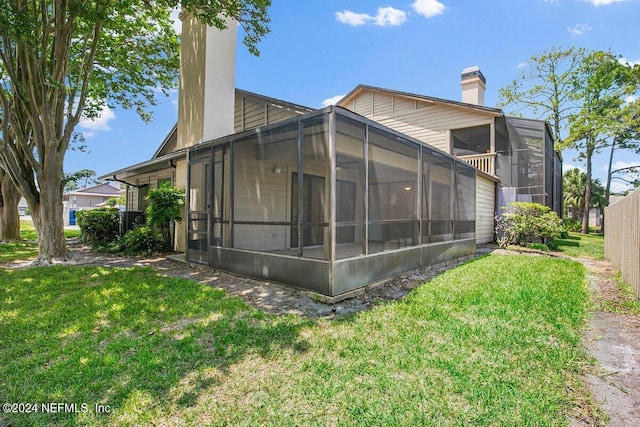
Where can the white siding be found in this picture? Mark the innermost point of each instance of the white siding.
(485, 210)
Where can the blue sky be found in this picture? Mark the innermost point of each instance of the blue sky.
(320, 49)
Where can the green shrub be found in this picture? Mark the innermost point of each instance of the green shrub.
(141, 240)
(524, 222)
(99, 226)
(538, 246)
(165, 206)
(571, 224)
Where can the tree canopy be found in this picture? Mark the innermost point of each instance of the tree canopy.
(588, 97)
(61, 60)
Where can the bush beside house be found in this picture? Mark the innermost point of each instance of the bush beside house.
(100, 227)
(525, 223)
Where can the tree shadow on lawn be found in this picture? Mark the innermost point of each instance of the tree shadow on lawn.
(114, 336)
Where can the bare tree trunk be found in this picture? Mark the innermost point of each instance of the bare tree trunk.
(9, 218)
(47, 216)
(587, 195)
(607, 192)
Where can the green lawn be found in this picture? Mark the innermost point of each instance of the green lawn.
(29, 248)
(495, 341)
(582, 245)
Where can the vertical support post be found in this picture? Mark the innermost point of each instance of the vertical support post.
(330, 246)
(419, 197)
(300, 186)
(365, 157)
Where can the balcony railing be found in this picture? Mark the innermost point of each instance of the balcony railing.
(484, 162)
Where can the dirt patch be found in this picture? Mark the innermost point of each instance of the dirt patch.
(613, 339)
(268, 296)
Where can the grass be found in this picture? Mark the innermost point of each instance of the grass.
(626, 303)
(582, 245)
(14, 251)
(495, 341)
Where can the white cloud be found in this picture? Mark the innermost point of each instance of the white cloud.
(390, 16)
(619, 187)
(98, 123)
(567, 167)
(387, 16)
(629, 62)
(428, 8)
(630, 99)
(521, 65)
(603, 2)
(352, 18)
(621, 165)
(579, 29)
(332, 101)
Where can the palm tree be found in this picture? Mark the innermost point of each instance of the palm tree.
(574, 184)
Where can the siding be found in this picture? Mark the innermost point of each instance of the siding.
(252, 113)
(427, 122)
(485, 210)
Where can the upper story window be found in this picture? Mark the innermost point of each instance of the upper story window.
(471, 140)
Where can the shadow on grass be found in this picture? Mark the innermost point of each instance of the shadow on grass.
(564, 242)
(120, 336)
(572, 238)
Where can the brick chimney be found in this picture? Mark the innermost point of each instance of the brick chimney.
(473, 85)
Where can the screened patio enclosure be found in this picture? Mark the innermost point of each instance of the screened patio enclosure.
(328, 201)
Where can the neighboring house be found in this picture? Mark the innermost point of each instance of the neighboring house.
(87, 198)
(23, 208)
(332, 200)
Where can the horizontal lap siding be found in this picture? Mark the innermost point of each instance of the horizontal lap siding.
(485, 210)
(250, 114)
(429, 123)
(622, 238)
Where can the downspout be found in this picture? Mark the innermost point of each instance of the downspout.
(125, 182)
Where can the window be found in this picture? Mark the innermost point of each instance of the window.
(471, 140)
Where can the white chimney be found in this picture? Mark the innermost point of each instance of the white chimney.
(473, 85)
(207, 82)
(220, 81)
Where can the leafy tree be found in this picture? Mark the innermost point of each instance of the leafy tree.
(627, 136)
(165, 207)
(545, 85)
(574, 183)
(65, 59)
(585, 94)
(603, 85)
(80, 179)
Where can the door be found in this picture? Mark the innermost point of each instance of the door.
(217, 208)
(312, 210)
(199, 204)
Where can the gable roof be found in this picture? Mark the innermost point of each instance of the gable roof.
(169, 143)
(296, 108)
(429, 99)
(96, 190)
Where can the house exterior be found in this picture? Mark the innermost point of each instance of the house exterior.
(335, 199)
(87, 198)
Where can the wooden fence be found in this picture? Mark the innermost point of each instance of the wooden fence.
(622, 238)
